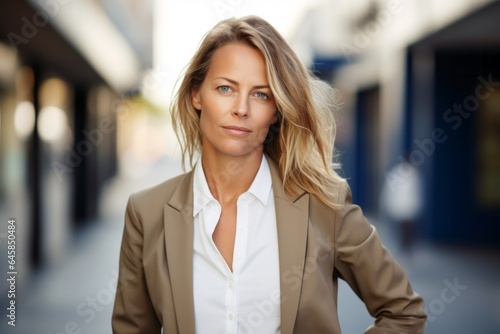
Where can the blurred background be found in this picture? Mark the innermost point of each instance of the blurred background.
(84, 94)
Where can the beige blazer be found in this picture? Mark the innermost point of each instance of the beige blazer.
(316, 246)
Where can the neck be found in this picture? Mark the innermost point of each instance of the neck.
(228, 177)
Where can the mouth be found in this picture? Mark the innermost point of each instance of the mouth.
(236, 130)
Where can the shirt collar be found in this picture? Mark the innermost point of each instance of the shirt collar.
(262, 184)
(201, 193)
(260, 187)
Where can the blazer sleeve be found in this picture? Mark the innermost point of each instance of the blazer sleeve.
(133, 311)
(364, 263)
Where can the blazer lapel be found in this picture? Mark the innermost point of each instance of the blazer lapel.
(178, 220)
(292, 217)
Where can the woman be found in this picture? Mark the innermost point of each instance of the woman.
(254, 238)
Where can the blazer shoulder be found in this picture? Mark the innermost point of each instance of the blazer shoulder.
(344, 193)
(341, 194)
(155, 197)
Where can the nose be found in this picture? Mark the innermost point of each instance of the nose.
(241, 107)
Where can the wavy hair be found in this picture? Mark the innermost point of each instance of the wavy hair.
(302, 141)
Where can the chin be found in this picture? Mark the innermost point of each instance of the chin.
(236, 151)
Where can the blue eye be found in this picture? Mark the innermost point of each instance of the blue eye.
(224, 89)
(261, 95)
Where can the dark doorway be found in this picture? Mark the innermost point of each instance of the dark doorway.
(366, 181)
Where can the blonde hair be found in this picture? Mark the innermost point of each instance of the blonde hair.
(302, 141)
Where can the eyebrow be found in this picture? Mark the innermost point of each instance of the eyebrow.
(237, 84)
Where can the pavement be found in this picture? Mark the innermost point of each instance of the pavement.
(461, 286)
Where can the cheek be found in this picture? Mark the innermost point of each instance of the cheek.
(275, 118)
(273, 127)
(272, 119)
(204, 120)
(265, 128)
(208, 121)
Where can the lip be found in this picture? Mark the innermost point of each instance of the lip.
(237, 130)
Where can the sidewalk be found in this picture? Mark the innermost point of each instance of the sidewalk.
(76, 295)
(461, 287)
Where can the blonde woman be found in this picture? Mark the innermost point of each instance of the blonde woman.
(254, 238)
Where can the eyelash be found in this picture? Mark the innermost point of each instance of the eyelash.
(223, 87)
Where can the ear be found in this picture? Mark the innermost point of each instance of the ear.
(196, 98)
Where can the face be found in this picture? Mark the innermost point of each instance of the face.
(236, 103)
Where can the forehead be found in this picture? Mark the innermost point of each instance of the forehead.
(238, 59)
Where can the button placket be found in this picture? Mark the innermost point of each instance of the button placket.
(231, 307)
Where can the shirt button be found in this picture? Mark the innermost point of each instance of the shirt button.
(230, 285)
(230, 316)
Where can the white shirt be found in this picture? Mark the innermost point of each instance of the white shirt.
(246, 300)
